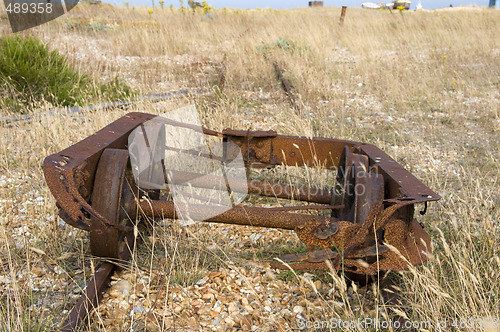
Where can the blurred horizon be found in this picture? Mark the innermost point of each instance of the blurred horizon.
(284, 4)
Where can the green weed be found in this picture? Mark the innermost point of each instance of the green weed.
(30, 73)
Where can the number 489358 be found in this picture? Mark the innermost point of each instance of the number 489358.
(32, 8)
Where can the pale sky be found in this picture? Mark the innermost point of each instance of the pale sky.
(279, 4)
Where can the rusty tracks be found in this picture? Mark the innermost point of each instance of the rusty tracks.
(90, 297)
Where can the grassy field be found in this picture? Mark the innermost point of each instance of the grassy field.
(422, 86)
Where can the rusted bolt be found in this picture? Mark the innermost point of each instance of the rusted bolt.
(292, 154)
(260, 144)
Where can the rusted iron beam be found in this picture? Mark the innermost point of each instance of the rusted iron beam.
(238, 215)
(269, 149)
(309, 207)
(90, 297)
(287, 86)
(325, 153)
(254, 187)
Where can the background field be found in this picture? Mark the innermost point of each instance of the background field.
(422, 86)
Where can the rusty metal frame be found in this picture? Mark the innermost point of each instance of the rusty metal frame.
(366, 233)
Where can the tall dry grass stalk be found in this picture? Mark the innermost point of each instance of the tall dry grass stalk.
(423, 86)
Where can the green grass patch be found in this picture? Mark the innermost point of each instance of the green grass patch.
(286, 45)
(30, 73)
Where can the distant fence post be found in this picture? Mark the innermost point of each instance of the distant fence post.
(342, 15)
(492, 4)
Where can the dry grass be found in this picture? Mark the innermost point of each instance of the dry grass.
(422, 86)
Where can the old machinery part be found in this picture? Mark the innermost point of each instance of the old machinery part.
(371, 226)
